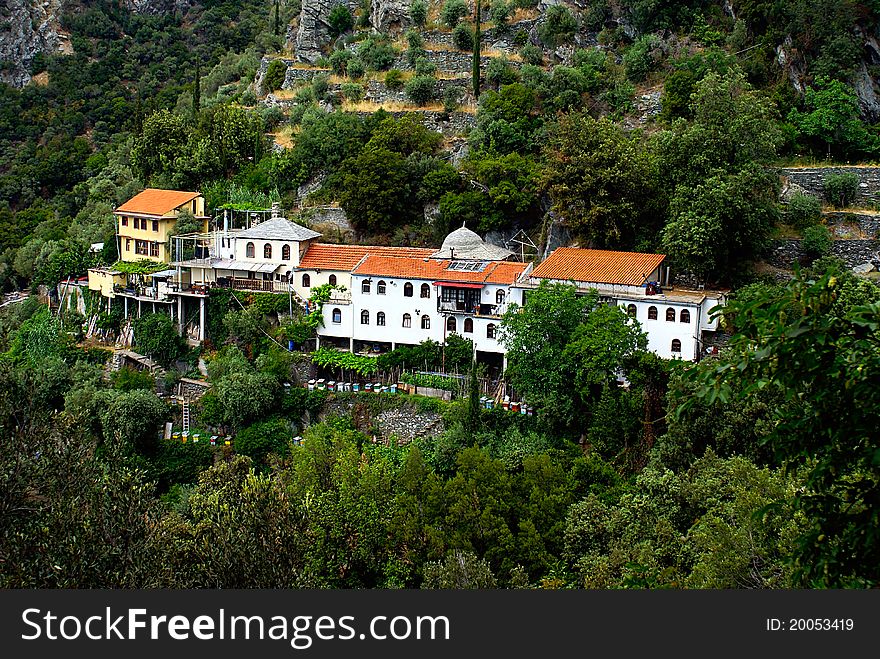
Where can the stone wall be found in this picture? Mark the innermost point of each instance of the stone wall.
(810, 179)
(295, 76)
(853, 225)
(450, 61)
(397, 418)
(326, 219)
(377, 92)
(785, 253)
(454, 123)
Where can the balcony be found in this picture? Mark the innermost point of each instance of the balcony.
(479, 310)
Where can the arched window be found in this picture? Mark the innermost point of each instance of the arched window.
(332, 280)
(365, 317)
(468, 325)
(380, 319)
(685, 316)
(365, 286)
(490, 331)
(499, 297)
(307, 281)
(249, 250)
(267, 251)
(426, 322)
(670, 315)
(451, 324)
(380, 287)
(652, 313)
(631, 310)
(285, 252)
(676, 345)
(407, 320)
(407, 290)
(426, 290)
(337, 316)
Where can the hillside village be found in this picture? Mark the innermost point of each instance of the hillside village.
(440, 293)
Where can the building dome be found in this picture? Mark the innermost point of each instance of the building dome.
(463, 238)
(466, 244)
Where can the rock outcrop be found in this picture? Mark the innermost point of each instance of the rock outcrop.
(313, 33)
(29, 27)
(390, 15)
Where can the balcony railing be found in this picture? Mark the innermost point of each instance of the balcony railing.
(487, 310)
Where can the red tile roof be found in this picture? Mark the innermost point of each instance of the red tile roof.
(156, 202)
(598, 266)
(324, 256)
(496, 272)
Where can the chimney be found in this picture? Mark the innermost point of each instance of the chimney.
(276, 209)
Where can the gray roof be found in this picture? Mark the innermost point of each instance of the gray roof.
(278, 228)
(465, 244)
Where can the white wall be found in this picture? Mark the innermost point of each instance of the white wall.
(661, 332)
(239, 248)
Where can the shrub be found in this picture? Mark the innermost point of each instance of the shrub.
(394, 79)
(421, 89)
(356, 69)
(817, 241)
(463, 37)
(418, 12)
(451, 99)
(840, 189)
(340, 20)
(500, 13)
(558, 27)
(452, 12)
(377, 53)
(261, 439)
(803, 210)
(129, 379)
(638, 60)
(521, 38)
(425, 67)
(531, 54)
(353, 91)
(414, 40)
(499, 72)
(339, 61)
(275, 74)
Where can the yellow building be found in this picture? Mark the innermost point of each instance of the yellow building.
(145, 222)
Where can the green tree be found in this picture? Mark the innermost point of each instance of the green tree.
(817, 241)
(463, 37)
(421, 89)
(558, 27)
(459, 570)
(831, 116)
(260, 439)
(162, 138)
(155, 335)
(478, 42)
(340, 20)
(535, 337)
(131, 419)
(601, 347)
(599, 179)
(275, 74)
(452, 12)
(803, 210)
(246, 397)
(418, 12)
(829, 365)
(841, 188)
(721, 223)
(374, 191)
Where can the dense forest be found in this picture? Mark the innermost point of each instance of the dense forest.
(757, 468)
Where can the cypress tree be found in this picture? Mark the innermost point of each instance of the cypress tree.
(476, 67)
(277, 18)
(197, 90)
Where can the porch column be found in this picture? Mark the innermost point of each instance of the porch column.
(504, 363)
(140, 308)
(202, 319)
(125, 302)
(180, 315)
(317, 342)
(351, 344)
(393, 346)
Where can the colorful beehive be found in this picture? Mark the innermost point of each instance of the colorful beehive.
(356, 387)
(311, 385)
(331, 386)
(368, 386)
(321, 385)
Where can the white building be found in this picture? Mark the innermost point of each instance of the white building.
(674, 319)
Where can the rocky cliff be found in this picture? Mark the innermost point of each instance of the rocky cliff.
(28, 27)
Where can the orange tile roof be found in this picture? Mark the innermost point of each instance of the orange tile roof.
(496, 272)
(156, 202)
(324, 256)
(599, 266)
